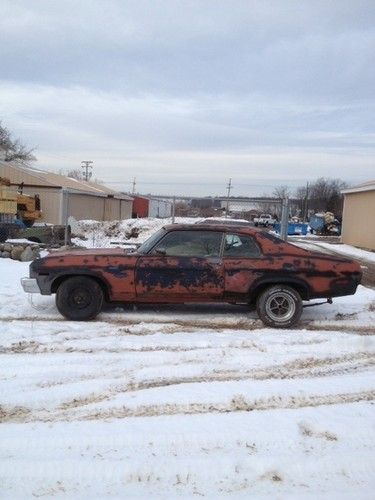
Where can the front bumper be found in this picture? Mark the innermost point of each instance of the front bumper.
(30, 285)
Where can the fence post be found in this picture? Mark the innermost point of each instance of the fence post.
(284, 219)
(66, 215)
(173, 209)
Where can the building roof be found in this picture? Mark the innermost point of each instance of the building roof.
(365, 186)
(44, 178)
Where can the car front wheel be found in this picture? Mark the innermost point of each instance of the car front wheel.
(279, 306)
(79, 298)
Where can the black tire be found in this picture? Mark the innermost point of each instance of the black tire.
(4, 233)
(28, 223)
(279, 306)
(79, 298)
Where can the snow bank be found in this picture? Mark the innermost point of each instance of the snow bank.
(94, 234)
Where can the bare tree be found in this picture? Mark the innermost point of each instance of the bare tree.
(281, 192)
(302, 200)
(75, 174)
(14, 149)
(323, 195)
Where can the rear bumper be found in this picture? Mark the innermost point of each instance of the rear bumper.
(30, 285)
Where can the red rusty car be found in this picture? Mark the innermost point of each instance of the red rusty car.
(192, 263)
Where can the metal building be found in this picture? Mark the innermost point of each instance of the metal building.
(358, 219)
(146, 206)
(62, 196)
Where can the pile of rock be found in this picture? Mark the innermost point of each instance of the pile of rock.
(19, 251)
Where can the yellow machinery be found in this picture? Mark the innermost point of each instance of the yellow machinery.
(15, 204)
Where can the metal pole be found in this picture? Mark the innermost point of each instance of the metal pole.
(284, 219)
(173, 209)
(66, 216)
(306, 203)
(229, 187)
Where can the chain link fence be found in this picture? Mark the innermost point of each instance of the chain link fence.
(162, 212)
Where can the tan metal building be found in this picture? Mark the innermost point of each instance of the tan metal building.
(358, 220)
(61, 197)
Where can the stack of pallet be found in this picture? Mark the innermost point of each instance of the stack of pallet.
(8, 204)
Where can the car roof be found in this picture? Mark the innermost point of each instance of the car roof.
(212, 227)
(224, 222)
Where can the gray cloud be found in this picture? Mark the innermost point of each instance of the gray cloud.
(189, 91)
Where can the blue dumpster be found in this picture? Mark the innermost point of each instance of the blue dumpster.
(294, 228)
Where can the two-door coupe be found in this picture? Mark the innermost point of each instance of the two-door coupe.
(192, 263)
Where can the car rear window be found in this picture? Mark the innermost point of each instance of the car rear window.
(239, 245)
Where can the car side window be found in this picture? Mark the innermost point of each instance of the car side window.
(190, 244)
(238, 245)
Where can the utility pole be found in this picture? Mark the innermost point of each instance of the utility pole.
(133, 184)
(173, 209)
(306, 203)
(229, 187)
(284, 218)
(86, 165)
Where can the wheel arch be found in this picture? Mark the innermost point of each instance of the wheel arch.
(63, 277)
(298, 284)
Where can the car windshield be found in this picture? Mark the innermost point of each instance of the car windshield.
(150, 242)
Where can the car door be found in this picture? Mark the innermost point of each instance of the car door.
(242, 260)
(185, 265)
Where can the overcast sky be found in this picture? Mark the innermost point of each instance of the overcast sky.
(184, 94)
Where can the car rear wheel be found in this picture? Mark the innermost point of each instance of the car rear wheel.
(79, 298)
(279, 306)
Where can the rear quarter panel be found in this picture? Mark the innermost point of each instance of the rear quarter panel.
(315, 275)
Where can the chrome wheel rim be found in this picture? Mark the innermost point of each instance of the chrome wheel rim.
(280, 307)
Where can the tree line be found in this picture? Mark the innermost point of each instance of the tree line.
(321, 195)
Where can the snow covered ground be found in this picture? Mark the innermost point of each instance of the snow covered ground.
(339, 248)
(185, 401)
(349, 251)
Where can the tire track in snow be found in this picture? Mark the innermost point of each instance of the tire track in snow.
(209, 324)
(40, 348)
(299, 368)
(237, 403)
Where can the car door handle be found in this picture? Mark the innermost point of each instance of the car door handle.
(214, 262)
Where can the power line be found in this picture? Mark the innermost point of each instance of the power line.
(171, 183)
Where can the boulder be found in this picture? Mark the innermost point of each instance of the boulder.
(27, 255)
(5, 255)
(16, 252)
(7, 247)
